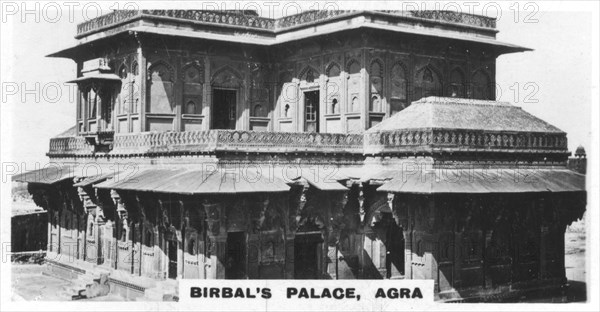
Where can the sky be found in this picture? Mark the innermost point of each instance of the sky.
(553, 82)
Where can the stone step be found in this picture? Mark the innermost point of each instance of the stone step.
(167, 290)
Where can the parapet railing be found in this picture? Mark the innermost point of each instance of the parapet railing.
(387, 142)
(239, 19)
(213, 141)
(411, 140)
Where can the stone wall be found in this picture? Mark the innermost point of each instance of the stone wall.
(29, 232)
(363, 77)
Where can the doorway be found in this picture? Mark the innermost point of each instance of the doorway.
(172, 252)
(306, 256)
(394, 260)
(223, 113)
(311, 111)
(235, 264)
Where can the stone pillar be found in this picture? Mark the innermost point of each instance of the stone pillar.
(289, 256)
(121, 221)
(206, 96)
(343, 100)
(543, 241)
(143, 81)
(90, 250)
(217, 240)
(293, 217)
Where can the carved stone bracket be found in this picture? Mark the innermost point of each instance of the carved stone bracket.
(141, 212)
(361, 203)
(301, 204)
(336, 223)
(41, 196)
(88, 201)
(398, 213)
(121, 211)
(213, 212)
(258, 213)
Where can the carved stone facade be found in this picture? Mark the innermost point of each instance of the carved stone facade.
(289, 108)
(357, 79)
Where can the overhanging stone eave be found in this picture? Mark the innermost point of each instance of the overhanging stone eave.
(266, 37)
(98, 38)
(503, 47)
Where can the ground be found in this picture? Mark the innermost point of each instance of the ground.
(30, 283)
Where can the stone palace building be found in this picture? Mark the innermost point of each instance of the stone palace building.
(322, 145)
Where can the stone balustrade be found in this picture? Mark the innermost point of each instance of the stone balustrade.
(73, 146)
(389, 142)
(309, 17)
(447, 139)
(257, 23)
(451, 17)
(110, 19)
(215, 141)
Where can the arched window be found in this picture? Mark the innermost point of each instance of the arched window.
(456, 88)
(310, 76)
(335, 109)
(123, 72)
(125, 94)
(135, 70)
(160, 89)
(190, 107)
(482, 87)
(376, 77)
(258, 111)
(193, 78)
(375, 105)
(353, 67)
(427, 83)
(91, 229)
(333, 70)
(399, 86)
(355, 105)
(287, 94)
(92, 98)
(376, 70)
